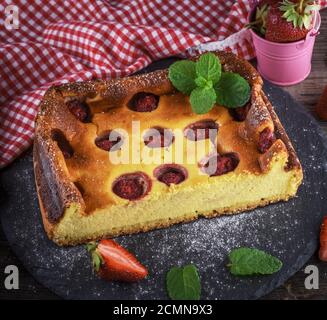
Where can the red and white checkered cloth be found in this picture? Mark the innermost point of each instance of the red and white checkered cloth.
(67, 40)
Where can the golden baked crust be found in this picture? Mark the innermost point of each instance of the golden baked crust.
(60, 182)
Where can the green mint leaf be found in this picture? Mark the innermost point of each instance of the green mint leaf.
(232, 90)
(249, 261)
(182, 75)
(209, 84)
(203, 83)
(208, 66)
(183, 283)
(202, 100)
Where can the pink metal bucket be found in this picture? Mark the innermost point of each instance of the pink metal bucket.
(285, 63)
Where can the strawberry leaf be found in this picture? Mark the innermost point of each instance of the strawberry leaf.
(298, 12)
(311, 7)
(291, 17)
(286, 14)
(91, 246)
(96, 257)
(307, 21)
(96, 261)
(300, 22)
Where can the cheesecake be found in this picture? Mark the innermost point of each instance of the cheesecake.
(129, 155)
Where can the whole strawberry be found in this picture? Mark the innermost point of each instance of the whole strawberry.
(290, 21)
(260, 19)
(284, 21)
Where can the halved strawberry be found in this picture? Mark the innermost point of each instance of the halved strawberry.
(114, 263)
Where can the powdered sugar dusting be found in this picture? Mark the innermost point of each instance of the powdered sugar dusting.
(287, 230)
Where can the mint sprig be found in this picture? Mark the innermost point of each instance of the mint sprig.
(206, 84)
(250, 261)
(183, 283)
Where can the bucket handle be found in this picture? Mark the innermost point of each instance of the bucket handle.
(316, 23)
(313, 33)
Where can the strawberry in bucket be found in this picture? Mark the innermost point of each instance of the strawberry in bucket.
(283, 34)
(285, 21)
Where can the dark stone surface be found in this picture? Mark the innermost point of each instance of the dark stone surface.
(288, 230)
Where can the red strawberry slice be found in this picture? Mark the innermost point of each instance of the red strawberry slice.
(114, 263)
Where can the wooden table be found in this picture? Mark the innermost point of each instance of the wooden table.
(306, 92)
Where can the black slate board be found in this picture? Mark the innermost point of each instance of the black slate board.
(287, 230)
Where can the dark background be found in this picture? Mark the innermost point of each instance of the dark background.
(307, 93)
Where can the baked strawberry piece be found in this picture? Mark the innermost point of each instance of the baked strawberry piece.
(109, 140)
(143, 102)
(170, 174)
(218, 165)
(266, 140)
(201, 130)
(79, 109)
(132, 186)
(158, 137)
